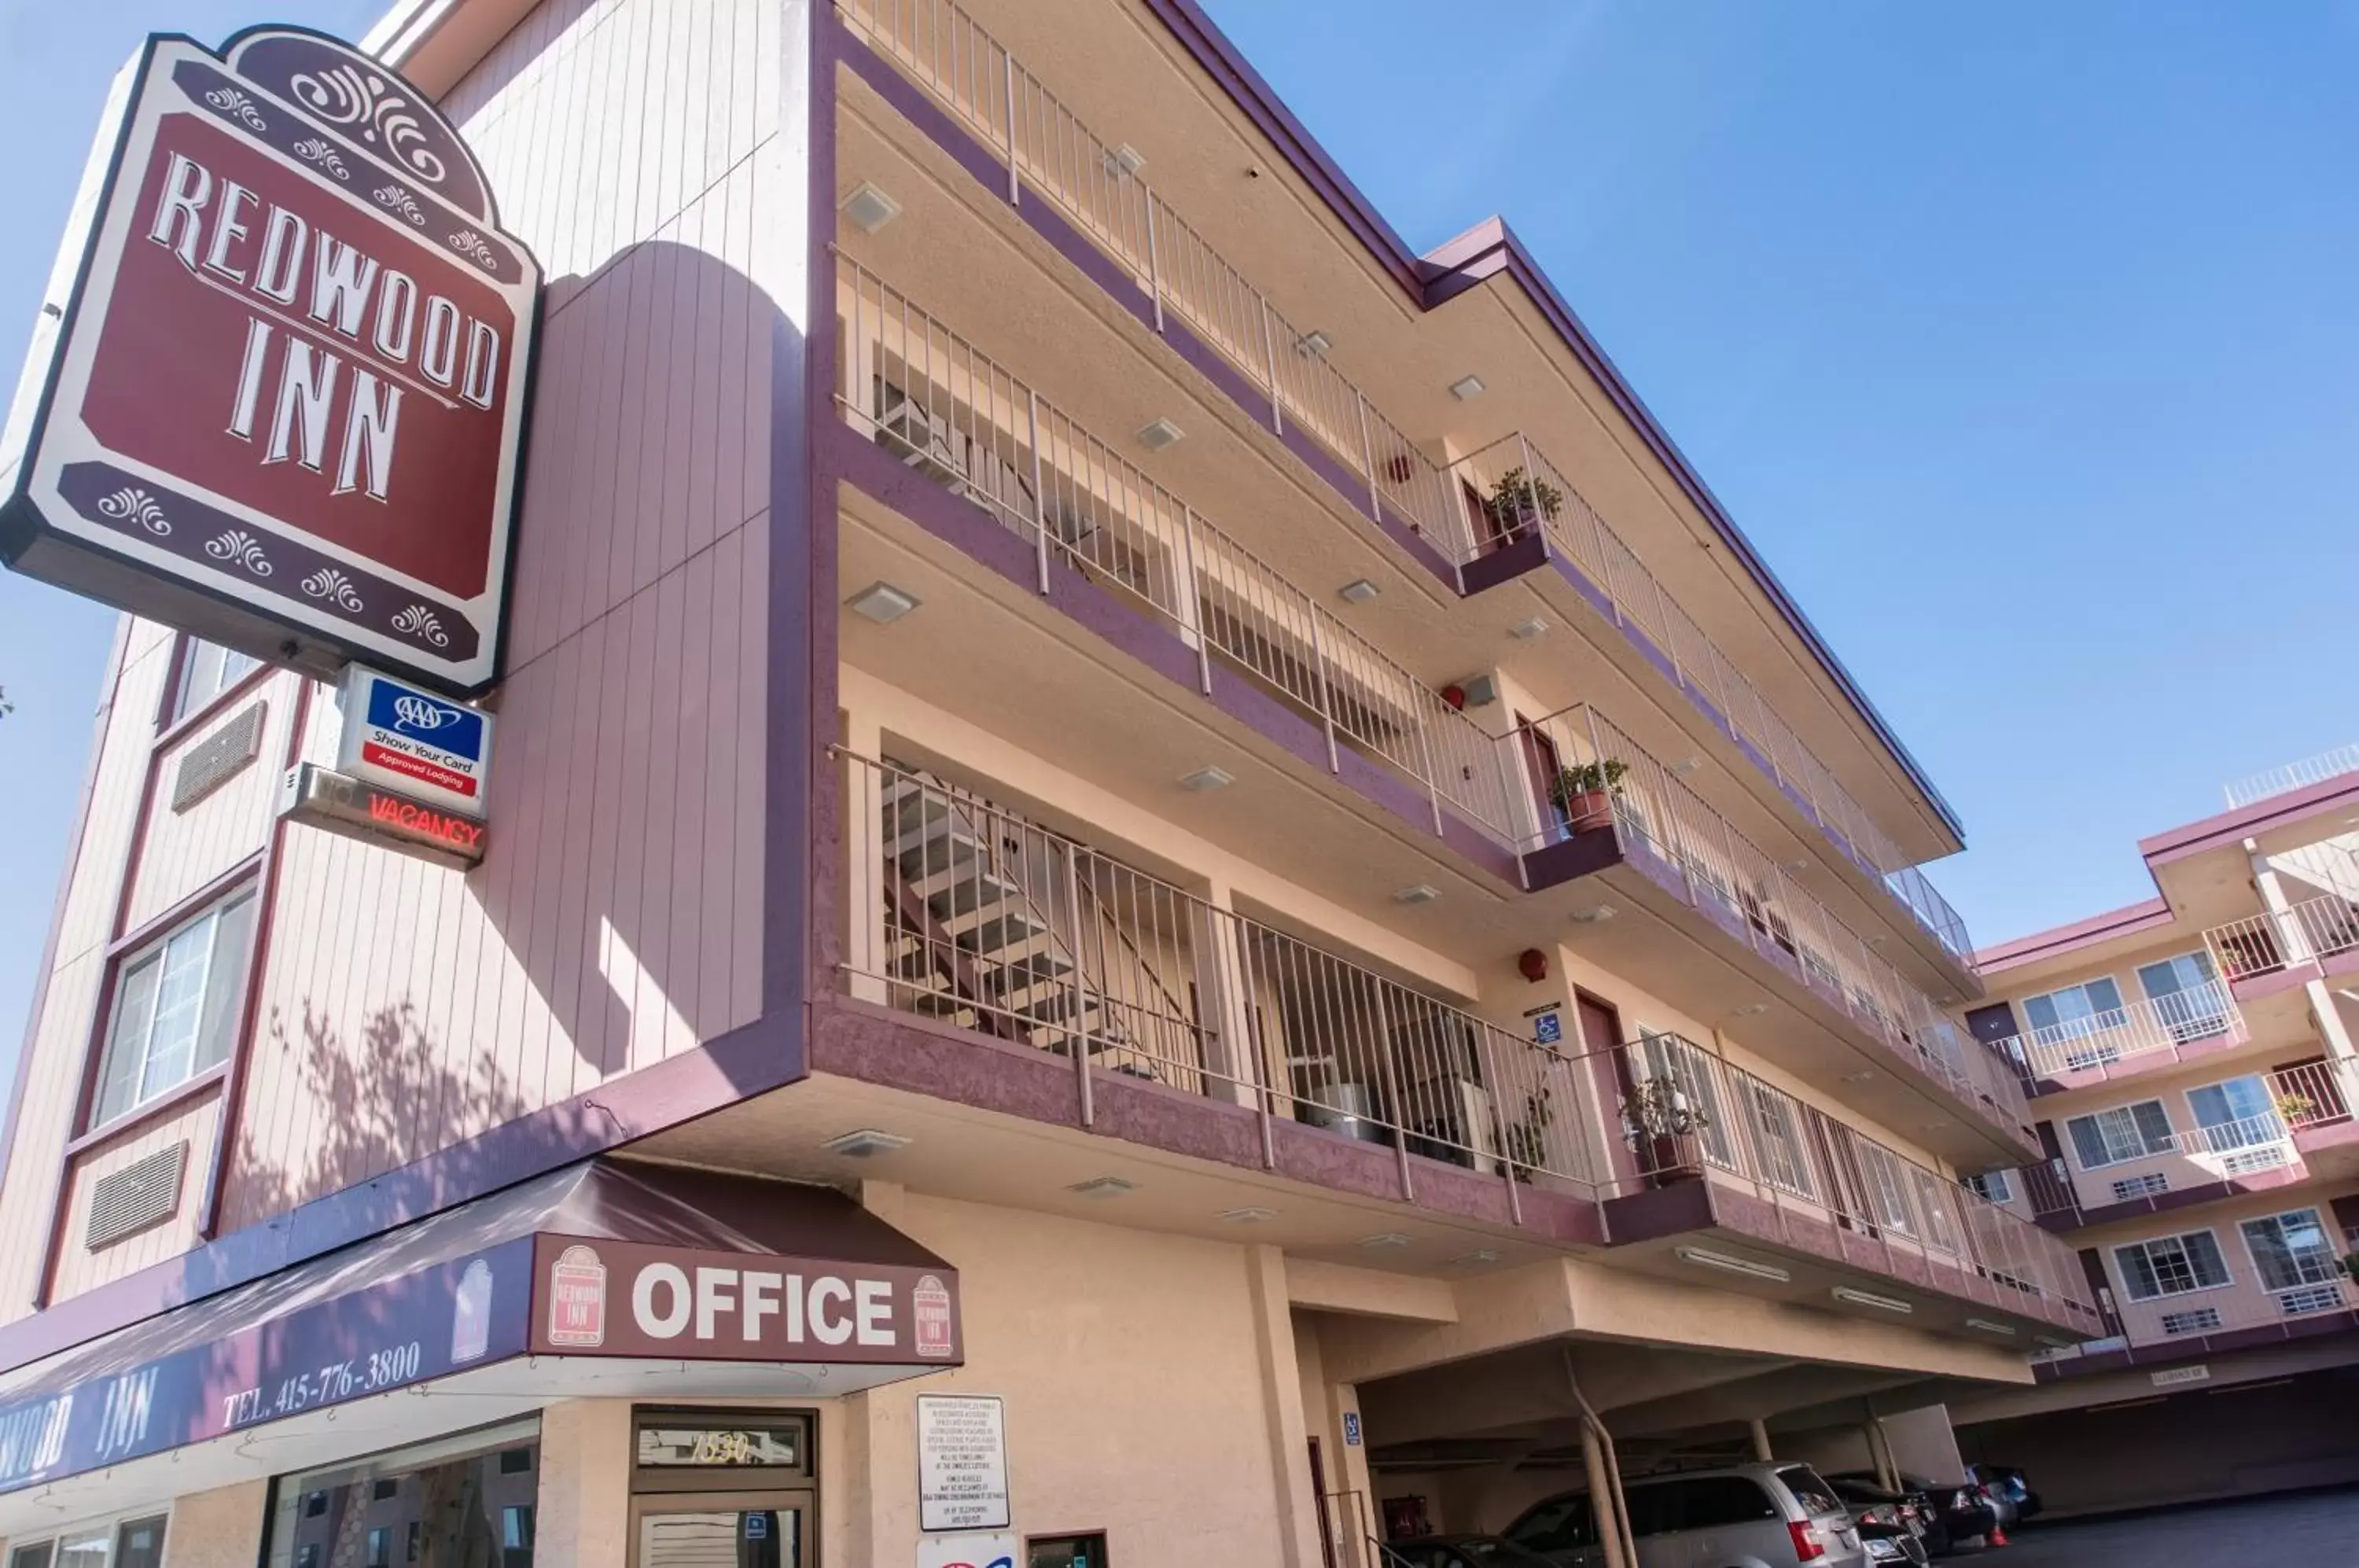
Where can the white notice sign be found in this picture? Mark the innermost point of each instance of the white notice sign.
(962, 1462)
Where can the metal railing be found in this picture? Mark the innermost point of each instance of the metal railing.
(2292, 775)
(1458, 508)
(2233, 1138)
(2314, 1094)
(2127, 1036)
(1684, 1109)
(966, 911)
(2179, 1316)
(2315, 928)
(1652, 811)
(948, 410)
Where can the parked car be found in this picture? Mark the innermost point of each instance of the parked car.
(1916, 1509)
(1460, 1551)
(1962, 1510)
(1759, 1516)
(2009, 1484)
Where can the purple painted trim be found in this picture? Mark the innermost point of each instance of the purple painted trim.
(2067, 1221)
(2197, 1348)
(764, 1055)
(2338, 794)
(2130, 919)
(1583, 855)
(970, 529)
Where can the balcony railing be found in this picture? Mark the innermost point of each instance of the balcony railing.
(1653, 812)
(2292, 775)
(2136, 1035)
(1686, 1110)
(1052, 155)
(966, 911)
(2274, 939)
(2315, 1093)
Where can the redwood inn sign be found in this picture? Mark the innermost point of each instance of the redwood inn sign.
(276, 394)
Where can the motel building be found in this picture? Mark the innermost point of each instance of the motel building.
(1156, 886)
(2191, 1066)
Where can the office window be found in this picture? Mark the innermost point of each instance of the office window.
(207, 670)
(2124, 1132)
(2236, 1113)
(2187, 996)
(2172, 1266)
(1066, 1550)
(1998, 1186)
(451, 1504)
(175, 1003)
(2291, 1250)
(131, 1544)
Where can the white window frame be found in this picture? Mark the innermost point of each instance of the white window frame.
(1982, 1184)
(2267, 1114)
(2120, 997)
(233, 667)
(2129, 1294)
(2333, 1267)
(247, 892)
(112, 1523)
(2129, 1108)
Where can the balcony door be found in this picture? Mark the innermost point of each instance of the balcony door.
(2186, 995)
(2074, 1021)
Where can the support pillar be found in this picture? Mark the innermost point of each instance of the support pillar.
(1761, 1439)
(582, 1513)
(1286, 1431)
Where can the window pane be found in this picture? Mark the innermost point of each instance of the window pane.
(2138, 1277)
(139, 1543)
(127, 1045)
(2154, 1133)
(86, 1551)
(34, 1556)
(179, 1001)
(2203, 1258)
(2088, 1142)
(224, 981)
(2105, 997)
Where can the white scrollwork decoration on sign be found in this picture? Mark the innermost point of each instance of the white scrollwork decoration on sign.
(237, 106)
(470, 244)
(318, 150)
(239, 549)
(418, 621)
(344, 95)
(399, 200)
(134, 504)
(334, 587)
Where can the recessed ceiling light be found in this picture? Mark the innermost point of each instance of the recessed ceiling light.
(1989, 1327)
(1313, 344)
(1597, 916)
(1800, 863)
(867, 1142)
(1475, 1259)
(1249, 1214)
(1103, 1187)
(1423, 893)
(1752, 1010)
(882, 602)
(1937, 1127)
(1466, 388)
(1359, 591)
(1685, 765)
(1729, 1263)
(1862, 1076)
(1385, 1238)
(1870, 1298)
(1125, 159)
(869, 209)
(1157, 435)
(1527, 628)
(1207, 778)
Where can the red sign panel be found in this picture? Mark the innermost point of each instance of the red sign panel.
(280, 400)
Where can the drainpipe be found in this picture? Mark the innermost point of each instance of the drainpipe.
(1761, 1439)
(1604, 1478)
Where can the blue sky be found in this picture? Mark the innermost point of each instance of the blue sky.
(2020, 337)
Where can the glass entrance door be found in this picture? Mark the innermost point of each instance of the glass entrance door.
(721, 1530)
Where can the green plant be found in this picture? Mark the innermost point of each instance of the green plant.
(2294, 1107)
(1659, 1107)
(2351, 1264)
(1589, 779)
(1528, 1138)
(1517, 497)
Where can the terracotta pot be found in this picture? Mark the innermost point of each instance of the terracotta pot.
(1589, 811)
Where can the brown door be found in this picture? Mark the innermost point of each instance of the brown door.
(1543, 763)
(1609, 1070)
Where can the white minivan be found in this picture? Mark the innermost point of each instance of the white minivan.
(1745, 1515)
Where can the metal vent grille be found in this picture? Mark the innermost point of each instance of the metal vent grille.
(2144, 1186)
(131, 1199)
(212, 762)
(2202, 1320)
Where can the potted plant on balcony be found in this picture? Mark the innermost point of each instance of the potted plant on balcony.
(1586, 794)
(1661, 1121)
(2296, 1109)
(1519, 501)
(2350, 1265)
(1528, 1138)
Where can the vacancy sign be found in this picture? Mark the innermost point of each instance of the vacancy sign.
(403, 735)
(276, 393)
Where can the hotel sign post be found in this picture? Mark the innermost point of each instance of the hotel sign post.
(276, 394)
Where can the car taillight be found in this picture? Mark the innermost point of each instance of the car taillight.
(1807, 1544)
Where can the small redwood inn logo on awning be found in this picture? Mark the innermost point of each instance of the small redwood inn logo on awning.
(576, 1300)
(276, 394)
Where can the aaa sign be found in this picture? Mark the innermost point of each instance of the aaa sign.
(279, 395)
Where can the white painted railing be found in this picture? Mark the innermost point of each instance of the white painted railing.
(2292, 775)
(2131, 1036)
(2313, 929)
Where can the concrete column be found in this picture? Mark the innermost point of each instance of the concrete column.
(1761, 1439)
(583, 1514)
(1923, 1442)
(1879, 1449)
(1286, 1431)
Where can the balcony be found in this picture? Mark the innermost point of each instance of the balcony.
(2292, 775)
(1446, 516)
(1071, 518)
(969, 915)
(2139, 1037)
(2190, 1324)
(2189, 1165)
(2305, 940)
(1074, 520)
(1701, 1137)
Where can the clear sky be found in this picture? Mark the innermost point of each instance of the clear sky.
(2020, 337)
